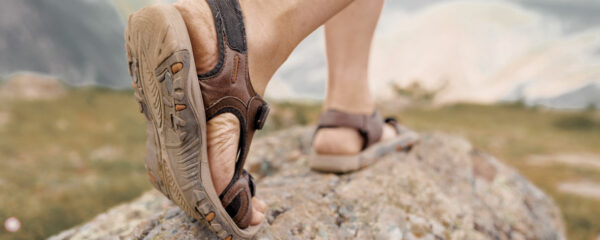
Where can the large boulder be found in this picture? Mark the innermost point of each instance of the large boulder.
(443, 189)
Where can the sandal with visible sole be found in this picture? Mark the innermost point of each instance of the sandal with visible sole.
(370, 129)
(177, 103)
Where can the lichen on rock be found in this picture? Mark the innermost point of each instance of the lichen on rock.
(442, 189)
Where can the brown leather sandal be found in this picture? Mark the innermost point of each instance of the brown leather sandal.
(370, 128)
(178, 102)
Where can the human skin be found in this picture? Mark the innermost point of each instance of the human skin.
(274, 28)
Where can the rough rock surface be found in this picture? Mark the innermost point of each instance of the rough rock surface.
(442, 189)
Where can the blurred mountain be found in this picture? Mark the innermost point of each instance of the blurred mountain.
(468, 51)
(584, 97)
(126, 7)
(465, 51)
(79, 41)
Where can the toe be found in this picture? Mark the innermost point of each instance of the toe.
(257, 217)
(259, 205)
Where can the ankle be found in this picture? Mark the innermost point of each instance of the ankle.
(264, 54)
(351, 105)
(269, 43)
(351, 95)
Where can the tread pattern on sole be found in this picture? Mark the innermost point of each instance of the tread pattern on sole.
(183, 148)
(179, 144)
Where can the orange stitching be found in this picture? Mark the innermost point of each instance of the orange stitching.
(235, 71)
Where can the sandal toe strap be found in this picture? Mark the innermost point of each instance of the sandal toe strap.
(237, 199)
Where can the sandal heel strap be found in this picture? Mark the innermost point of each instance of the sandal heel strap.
(370, 127)
(237, 199)
(229, 13)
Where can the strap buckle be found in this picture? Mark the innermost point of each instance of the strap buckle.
(261, 116)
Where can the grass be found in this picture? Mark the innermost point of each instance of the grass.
(66, 160)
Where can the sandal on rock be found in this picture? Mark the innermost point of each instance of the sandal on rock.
(177, 103)
(370, 129)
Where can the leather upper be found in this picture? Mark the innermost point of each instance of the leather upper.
(227, 89)
(370, 127)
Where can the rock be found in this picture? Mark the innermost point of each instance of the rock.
(31, 86)
(442, 189)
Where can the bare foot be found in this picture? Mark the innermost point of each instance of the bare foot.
(223, 135)
(223, 131)
(344, 141)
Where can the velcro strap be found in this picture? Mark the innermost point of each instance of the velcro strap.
(230, 13)
(251, 183)
(261, 116)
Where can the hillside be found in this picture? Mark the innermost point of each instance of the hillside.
(587, 96)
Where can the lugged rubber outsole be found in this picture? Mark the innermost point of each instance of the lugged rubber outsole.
(166, 86)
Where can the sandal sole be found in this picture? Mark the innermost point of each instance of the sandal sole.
(166, 86)
(346, 164)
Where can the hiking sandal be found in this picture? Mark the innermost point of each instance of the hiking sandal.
(370, 128)
(177, 102)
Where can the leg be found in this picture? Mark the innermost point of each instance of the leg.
(274, 28)
(348, 38)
